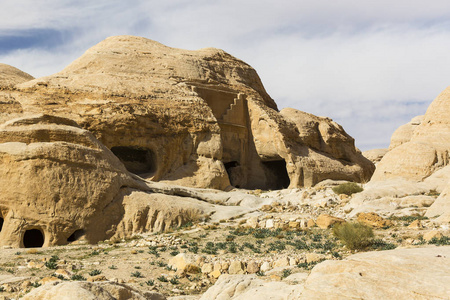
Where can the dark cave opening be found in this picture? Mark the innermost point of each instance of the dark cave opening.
(1, 223)
(76, 235)
(233, 171)
(33, 238)
(137, 160)
(277, 175)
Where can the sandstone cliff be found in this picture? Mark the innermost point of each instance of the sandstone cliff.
(196, 118)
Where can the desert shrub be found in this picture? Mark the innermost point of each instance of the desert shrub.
(355, 236)
(348, 188)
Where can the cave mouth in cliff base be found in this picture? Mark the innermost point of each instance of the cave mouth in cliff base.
(234, 173)
(33, 238)
(138, 160)
(76, 235)
(277, 175)
(1, 223)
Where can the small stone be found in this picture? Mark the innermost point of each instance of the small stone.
(293, 261)
(265, 266)
(415, 225)
(236, 267)
(207, 268)
(325, 221)
(97, 278)
(313, 257)
(35, 265)
(311, 223)
(282, 262)
(269, 223)
(432, 234)
(48, 279)
(252, 267)
(64, 273)
(225, 266)
(374, 220)
(252, 222)
(275, 277)
(294, 224)
(218, 266)
(215, 274)
(134, 251)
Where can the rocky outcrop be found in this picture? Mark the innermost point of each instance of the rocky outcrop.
(90, 290)
(416, 166)
(58, 182)
(195, 118)
(404, 133)
(375, 155)
(427, 150)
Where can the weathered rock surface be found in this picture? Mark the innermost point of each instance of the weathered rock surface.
(10, 76)
(404, 133)
(420, 273)
(88, 291)
(417, 164)
(195, 118)
(375, 155)
(416, 273)
(240, 287)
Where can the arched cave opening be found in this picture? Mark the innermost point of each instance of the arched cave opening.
(276, 174)
(33, 238)
(76, 235)
(234, 173)
(137, 160)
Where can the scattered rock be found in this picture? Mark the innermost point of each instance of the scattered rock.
(374, 220)
(325, 221)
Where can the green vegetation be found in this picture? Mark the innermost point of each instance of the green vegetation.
(355, 236)
(348, 188)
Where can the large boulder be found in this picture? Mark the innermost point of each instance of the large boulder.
(417, 273)
(195, 118)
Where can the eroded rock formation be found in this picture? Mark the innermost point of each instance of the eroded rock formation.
(196, 118)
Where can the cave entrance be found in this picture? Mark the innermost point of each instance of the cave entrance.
(234, 172)
(276, 174)
(76, 235)
(137, 160)
(1, 223)
(33, 238)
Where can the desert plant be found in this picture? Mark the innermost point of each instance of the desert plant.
(162, 278)
(137, 274)
(355, 236)
(95, 272)
(77, 277)
(348, 188)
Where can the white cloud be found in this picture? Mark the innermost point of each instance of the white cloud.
(360, 63)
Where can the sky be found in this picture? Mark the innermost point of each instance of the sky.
(369, 65)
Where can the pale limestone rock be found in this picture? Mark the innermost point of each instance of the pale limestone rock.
(382, 275)
(249, 287)
(312, 257)
(265, 266)
(441, 207)
(87, 291)
(282, 262)
(182, 261)
(375, 155)
(236, 267)
(404, 133)
(207, 268)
